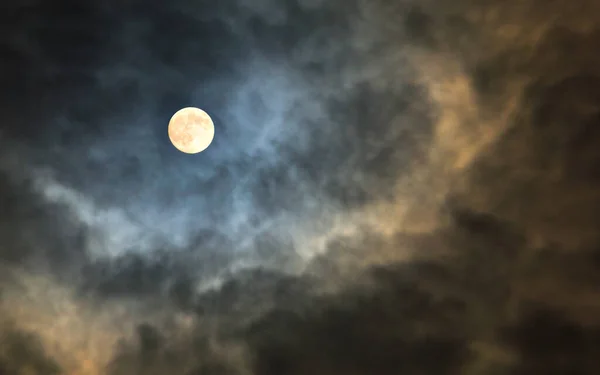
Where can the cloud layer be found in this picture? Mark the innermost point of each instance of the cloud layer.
(394, 187)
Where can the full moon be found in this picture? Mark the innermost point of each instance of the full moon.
(191, 130)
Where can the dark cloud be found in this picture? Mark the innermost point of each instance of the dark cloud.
(393, 318)
(397, 325)
(35, 235)
(549, 342)
(550, 150)
(419, 26)
(354, 342)
(22, 353)
(323, 111)
(128, 275)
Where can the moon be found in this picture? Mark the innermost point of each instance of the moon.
(191, 130)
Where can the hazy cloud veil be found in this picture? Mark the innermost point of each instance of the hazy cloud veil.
(394, 187)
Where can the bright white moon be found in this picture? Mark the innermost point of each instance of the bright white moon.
(191, 130)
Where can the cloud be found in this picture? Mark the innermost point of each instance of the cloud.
(21, 352)
(393, 188)
(545, 338)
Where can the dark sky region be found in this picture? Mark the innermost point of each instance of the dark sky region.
(395, 188)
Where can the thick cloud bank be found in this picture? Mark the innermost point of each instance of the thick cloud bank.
(395, 187)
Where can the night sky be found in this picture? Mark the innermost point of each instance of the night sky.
(405, 187)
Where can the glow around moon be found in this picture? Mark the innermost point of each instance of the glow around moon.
(191, 130)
